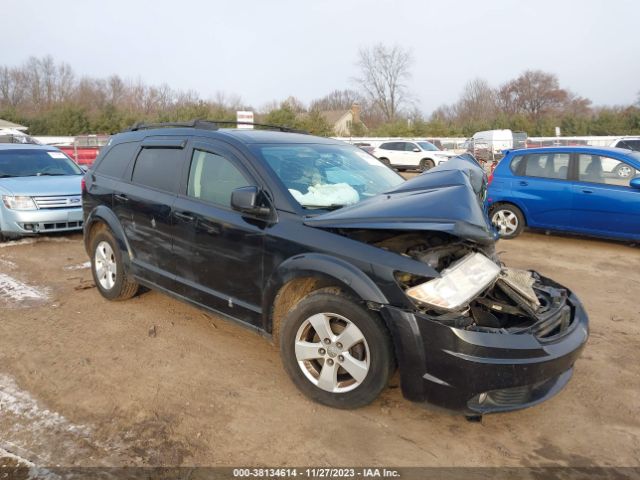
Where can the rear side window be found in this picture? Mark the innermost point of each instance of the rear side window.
(517, 165)
(212, 178)
(386, 146)
(547, 165)
(116, 161)
(158, 168)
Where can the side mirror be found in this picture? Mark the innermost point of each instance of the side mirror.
(416, 149)
(246, 200)
(635, 183)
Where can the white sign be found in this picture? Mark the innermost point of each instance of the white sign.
(557, 131)
(244, 117)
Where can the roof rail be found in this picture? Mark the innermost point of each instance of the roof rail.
(209, 125)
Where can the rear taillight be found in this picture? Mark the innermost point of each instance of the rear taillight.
(83, 185)
(490, 179)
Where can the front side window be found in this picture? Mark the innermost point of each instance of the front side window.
(410, 147)
(158, 168)
(35, 163)
(630, 144)
(606, 170)
(212, 178)
(547, 165)
(428, 147)
(328, 176)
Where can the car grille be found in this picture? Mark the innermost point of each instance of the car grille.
(62, 201)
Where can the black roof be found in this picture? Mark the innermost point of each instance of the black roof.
(208, 129)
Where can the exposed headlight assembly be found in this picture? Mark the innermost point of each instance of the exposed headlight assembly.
(458, 284)
(18, 203)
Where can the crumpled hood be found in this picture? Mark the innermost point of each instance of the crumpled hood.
(42, 186)
(448, 198)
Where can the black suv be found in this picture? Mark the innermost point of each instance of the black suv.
(350, 268)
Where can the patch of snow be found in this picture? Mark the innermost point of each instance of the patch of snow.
(80, 266)
(15, 290)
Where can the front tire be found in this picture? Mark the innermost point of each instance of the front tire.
(426, 164)
(624, 171)
(335, 351)
(508, 219)
(107, 268)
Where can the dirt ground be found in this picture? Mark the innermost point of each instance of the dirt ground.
(153, 381)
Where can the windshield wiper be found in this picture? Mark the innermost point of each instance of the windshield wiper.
(49, 174)
(333, 206)
(6, 175)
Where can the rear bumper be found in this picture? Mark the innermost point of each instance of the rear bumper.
(30, 222)
(477, 372)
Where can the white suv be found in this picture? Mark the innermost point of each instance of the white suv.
(630, 143)
(403, 155)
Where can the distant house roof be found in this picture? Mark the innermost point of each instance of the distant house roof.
(15, 126)
(334, 116)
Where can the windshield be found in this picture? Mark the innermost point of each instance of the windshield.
(32, 163)
(328, 176)
(428, 146)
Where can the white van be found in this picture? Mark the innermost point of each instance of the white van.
(496, 140)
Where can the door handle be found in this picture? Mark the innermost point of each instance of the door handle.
(184, 216)
(122, 198)
(524, 184)
(584, 190)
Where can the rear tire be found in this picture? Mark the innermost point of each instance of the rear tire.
(385, 161)
(336, 351)
(107, 268)
(508, 219)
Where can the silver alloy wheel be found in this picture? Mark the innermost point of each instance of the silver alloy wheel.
(105, 265)
(506, 221)
(332, 352)
(624, 171)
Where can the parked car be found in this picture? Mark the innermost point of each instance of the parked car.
(631, 143)
(586, 190)
(40, 189)
(348, 267)
(403, 155)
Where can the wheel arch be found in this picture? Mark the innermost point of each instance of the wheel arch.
(298, 276)
(102, 215)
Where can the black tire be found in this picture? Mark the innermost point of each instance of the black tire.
(123, 287)
(512, 222)
(426, 164)
(376, 345)
(385, 161)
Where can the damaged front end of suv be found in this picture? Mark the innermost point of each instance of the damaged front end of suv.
(472, 335)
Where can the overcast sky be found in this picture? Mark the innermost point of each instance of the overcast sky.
(267, 50)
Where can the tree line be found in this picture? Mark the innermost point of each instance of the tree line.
(49, 98)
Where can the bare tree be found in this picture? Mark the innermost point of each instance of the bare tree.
(477, 103)
(337, 100)
(383, 73)
(534, 93)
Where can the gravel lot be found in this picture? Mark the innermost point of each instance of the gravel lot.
(153, 381)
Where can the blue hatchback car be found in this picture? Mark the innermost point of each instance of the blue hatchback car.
(585, 190)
